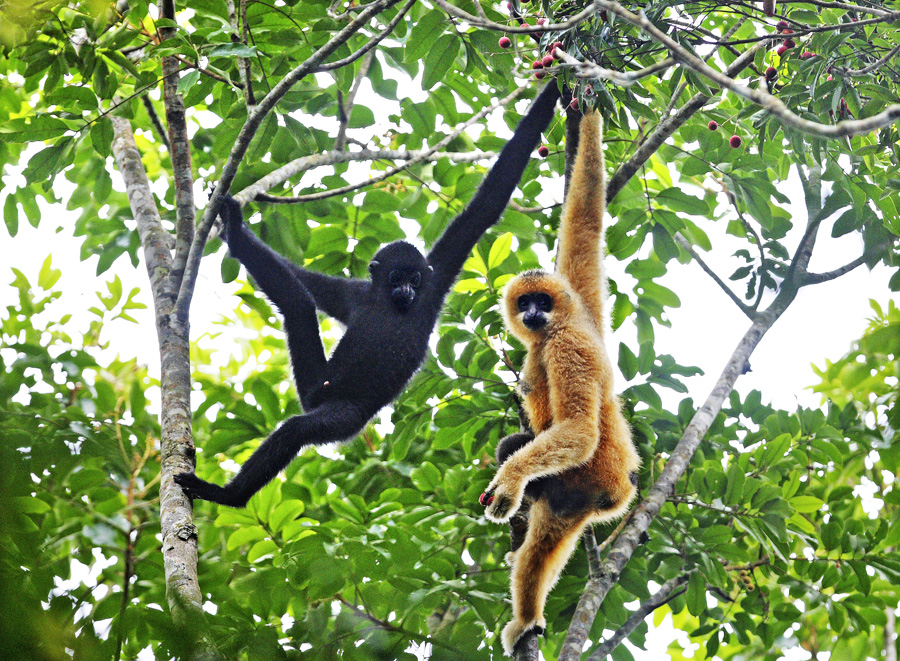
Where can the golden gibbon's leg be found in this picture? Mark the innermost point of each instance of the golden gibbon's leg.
(536, 567)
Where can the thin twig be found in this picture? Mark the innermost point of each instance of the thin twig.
(346, 108)
(155, 120)
(257, 190)
(580, 17)
(686, 245)
(869, 69)
(666, 593)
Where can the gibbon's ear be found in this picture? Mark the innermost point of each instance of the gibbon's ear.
(374, 266)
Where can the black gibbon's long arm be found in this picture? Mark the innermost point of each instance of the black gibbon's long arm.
(389, 318)
(453, 248)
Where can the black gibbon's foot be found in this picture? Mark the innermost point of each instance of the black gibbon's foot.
(204, 490)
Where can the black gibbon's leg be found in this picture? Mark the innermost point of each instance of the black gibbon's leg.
(308, 361)
(509, 445)
(332, 421)
(505, 449)
(275, 276)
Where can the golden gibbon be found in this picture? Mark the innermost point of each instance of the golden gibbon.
(580, 465)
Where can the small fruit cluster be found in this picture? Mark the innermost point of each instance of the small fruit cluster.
(735, 140)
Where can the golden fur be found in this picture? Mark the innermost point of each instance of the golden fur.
(581, 437)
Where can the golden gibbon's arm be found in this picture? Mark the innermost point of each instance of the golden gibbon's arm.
(581, 228)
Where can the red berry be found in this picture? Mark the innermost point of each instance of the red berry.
(787, 31)
(540, 74)
(509, 6)
(771, 72)
(537, 64)
(713, 125)
(573, 104)
(805, 55)
(547, 61)
(541, 21)
(782, 49)
(781, 25)
(789, 43)
(543, 151)
(554, 46)
(735, 141)
(505, 42)
(829, 77)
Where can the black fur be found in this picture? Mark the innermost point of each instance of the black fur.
(388, 322)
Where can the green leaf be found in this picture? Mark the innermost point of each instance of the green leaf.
(427, 30)
(695, 597)
(500, 250)
(11, 214)
(806, 504)
(245, 535)
(439, 60)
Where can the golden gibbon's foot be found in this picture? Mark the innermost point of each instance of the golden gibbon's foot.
(516, 629)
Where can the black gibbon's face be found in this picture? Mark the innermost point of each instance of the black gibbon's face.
(404, 283)
(535, 307)
(398, 272)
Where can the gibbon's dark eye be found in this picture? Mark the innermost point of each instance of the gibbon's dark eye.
(544, 302)
(395, 277)
(523, 302)
(415, 279)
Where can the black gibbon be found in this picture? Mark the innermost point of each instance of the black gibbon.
(388, 319)
(580, 465)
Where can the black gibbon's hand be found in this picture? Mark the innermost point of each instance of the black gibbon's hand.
(231, 215)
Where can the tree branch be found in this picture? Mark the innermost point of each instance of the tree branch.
(242, 143)
(816, 278)
(422, 156)
(377, 39)
(623, 78)
(581, 16)
(346, 108)
(771, 103)
(869, 69)
(183, 176)
(256, 191)
(243, 62)
(642, 516)
(685, 244)
(179, 536)
(156, 121)
(666, 593)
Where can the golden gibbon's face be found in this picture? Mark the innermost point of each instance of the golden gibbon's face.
(533, 302)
